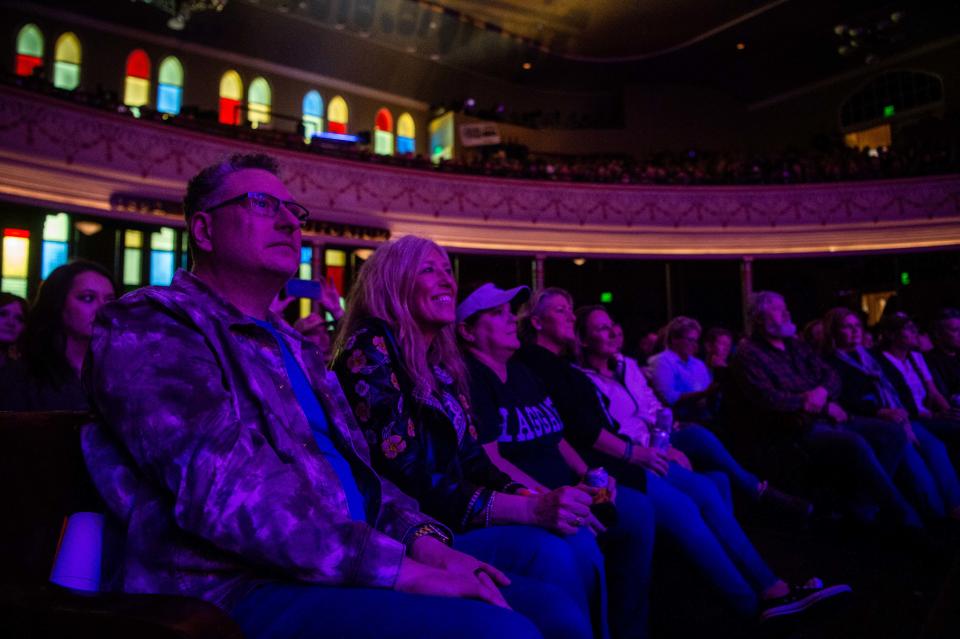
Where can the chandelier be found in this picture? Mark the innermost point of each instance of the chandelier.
(181, 10)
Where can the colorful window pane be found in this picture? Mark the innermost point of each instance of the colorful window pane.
(66, 62)
(16, 254)
(383, 133)
(312, 115)
(337, 115)
(441, 138)
(231, 94)
(406, 134)
(136, 84)
(163, 243)
(258, 102)
(306, 273)
(170, 86)
(29, 50)
(132, 257)
(55, 248)
(335, 262)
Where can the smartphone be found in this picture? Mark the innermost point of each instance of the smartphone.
(304, 288)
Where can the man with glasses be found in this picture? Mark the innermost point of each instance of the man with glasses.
(231, 457)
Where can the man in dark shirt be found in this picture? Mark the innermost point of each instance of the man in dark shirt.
(944, 359)
(786, 400)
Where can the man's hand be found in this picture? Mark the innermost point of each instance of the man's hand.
(564, 510)
(815, 399)
(433, 552)
(421, 579)
(651, 459)
(836, 413)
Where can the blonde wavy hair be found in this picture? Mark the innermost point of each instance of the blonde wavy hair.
(382, 290)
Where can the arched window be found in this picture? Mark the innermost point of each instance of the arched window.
(29, 50)
(406, 134)
(136, 85)
(231, 93)
(170, 86)
(258, 102)
(337, 115)
(383, 133)
(312, 115)
(66, 62)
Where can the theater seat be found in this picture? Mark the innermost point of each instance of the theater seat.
(42, 480)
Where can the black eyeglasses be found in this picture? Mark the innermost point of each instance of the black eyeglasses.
(265, 205)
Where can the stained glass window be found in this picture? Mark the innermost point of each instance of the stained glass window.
(170, 86)
(29, 50)
(66, 62)
(136, 85)
(383, 133)
(406, 134)
(337, 115)
(231, 94)
(132, 257)
(258, 102)
(16, 258)
(163, 244)
(312, 114)
(305, 273)
(441, 138)
(55, 247)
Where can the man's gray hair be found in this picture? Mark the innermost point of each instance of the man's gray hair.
(680, 326)
(757, 309)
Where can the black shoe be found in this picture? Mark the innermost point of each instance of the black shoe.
(787, 504)
(800, 598)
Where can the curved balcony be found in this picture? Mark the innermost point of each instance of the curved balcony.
(72, 157)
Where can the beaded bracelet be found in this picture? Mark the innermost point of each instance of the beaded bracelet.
(627, 452)
(488, 511)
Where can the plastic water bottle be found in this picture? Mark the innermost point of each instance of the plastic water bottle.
(660, 434)
(603, 507)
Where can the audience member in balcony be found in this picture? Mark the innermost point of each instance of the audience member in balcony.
(13, 317)
(790, 420)
(56, 339)
(944, 359)
(634, 408)
(232, 458)
(398, 361)
(906, 367)
(698, 521)
(523, 435)
(867, 391)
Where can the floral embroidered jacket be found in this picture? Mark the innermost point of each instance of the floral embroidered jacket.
(204, 454)
(427, 445)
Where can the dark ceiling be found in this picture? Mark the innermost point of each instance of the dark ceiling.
(748, 49)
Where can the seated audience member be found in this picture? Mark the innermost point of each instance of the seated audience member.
(13, 316)
(634, 408)
(788, 405)
(867, 391)
(55, 341)
(812, 334)
(647, 345)
(403, 374)
(231, 458)
(717, 344)
(944, 359)
(694, 517)
(315, 327)
(523, 435)
(681, 379)
(906, 367)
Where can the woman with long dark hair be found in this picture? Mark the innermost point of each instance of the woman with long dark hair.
(13, 317)
(47, 376)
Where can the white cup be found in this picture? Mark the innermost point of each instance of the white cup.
(77, 564)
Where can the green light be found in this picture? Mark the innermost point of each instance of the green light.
(905, 278)
(888, 111)
(606, 297)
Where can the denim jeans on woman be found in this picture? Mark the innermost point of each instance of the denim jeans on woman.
(709, 455)
(691, 513)
(930, 477)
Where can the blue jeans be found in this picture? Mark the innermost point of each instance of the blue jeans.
(708, 454)
(628, 548)
(309, 611)
(534, 556)
(930, 476)
(690, 512)
(863, 454)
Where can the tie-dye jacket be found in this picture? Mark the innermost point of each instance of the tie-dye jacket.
(205, 456)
